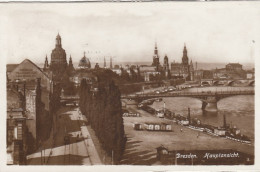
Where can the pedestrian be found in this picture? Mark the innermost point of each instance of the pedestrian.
(181, 129)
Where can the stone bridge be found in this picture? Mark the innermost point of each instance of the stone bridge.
(227, 82)
(209, 99)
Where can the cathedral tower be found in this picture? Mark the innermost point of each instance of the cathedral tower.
(185, 59)
(185, 64)
(166, 65)
(71, 67)
(58, 60)
(156, 58)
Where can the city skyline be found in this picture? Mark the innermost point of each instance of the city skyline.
(129, 32)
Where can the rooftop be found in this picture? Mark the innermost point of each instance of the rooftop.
(234, 64)
(11, 67)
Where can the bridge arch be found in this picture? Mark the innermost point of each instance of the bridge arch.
(205, 82)
(231, 83)
(252, 83)
(215, 83)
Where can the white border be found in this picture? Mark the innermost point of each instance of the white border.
(5, 168)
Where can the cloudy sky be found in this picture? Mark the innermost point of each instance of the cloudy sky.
(213, 31)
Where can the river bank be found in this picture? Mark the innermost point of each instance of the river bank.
(141, 145)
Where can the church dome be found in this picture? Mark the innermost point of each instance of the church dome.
(84, 62)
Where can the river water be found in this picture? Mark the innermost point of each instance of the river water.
(239, 109)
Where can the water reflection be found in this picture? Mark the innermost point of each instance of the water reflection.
(208, 114)
(239, 110)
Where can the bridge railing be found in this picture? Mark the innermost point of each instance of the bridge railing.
(249, 92)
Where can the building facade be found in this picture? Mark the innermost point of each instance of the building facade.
(231, 71)
(183, 69)
(147, 71)
(233, 67)
(34, 114)
(27, 72)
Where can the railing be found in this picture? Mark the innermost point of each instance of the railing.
(176, 94)
(191, 94)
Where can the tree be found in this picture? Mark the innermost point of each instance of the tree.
(82, 100)
(169, 74)
(102, 106)
(133, 75)
(139, 77)
(124, 75)
(67, 85)
(116, 140)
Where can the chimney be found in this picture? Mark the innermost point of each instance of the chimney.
(224, 121)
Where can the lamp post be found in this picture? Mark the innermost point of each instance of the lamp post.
(112, 157)
(43, 154)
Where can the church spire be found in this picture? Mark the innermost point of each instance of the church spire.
(71, 67)
(46, 63)
(70, 61)
(156, 60)
(155, 49)
(185, 49)
(58, 40)
(185, 59)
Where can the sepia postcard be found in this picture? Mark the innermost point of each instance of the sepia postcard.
(143, 86)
